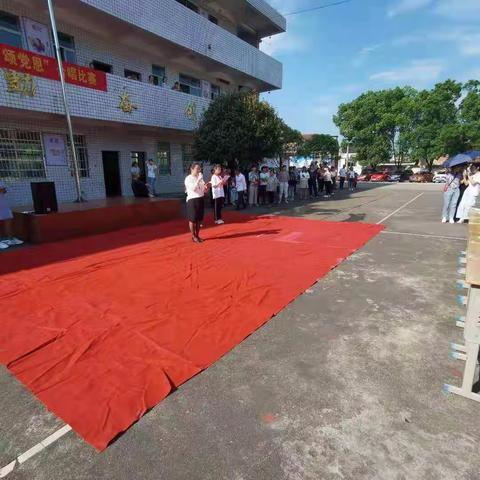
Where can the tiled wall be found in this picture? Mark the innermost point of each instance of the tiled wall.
(172, 21)
(98, 140)
(90, 47)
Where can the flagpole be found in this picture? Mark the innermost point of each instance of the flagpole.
(65, 102)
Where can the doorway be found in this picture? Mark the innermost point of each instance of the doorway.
(111, 173)
(139, 157)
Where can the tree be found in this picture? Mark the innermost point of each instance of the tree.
(379, 120)
(435, 121)
(239, 129)
(291, 142)
(321, 145)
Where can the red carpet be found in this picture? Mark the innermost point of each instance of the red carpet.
(101, 329)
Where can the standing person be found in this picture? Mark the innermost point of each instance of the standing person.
(253, 179)
(272, 184)
(321, 178)
(151, 176)
(471, 193)
(283, 179)
(6, 221)
(241, 186)
(218, 193)
(262, 187)
(232, 184)
(351, 178)
(195, 188)
(342, 173)
(304, 178)
(292, 183)
(451, 193)
(327, 178)
(227, 174)
(135, 171)
(312, 182)
(333, 171)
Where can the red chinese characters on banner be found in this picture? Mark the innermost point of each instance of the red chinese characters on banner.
(41, 66)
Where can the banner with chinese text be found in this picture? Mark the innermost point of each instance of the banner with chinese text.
(42, 66)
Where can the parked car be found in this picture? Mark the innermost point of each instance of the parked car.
(364, 177)
(401, 176)
(440, 176)
(380, 177)
(421, 177)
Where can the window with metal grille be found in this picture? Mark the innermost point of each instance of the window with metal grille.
(163, 158)
(67, 48)
(82, 155)
(10, 32)
(21, 154)
(187, 157)
(190, 85)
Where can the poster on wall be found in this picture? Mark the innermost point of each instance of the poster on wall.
(37, 37)
(205, 89)
(55, 151)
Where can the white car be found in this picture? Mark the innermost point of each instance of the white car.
(440, 177)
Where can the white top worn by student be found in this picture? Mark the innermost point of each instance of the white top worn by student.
(217, 186)
(240, 182)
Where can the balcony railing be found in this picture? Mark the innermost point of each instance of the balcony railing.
(171, 21)
(125, 101)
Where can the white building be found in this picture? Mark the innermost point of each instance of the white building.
(124, 57)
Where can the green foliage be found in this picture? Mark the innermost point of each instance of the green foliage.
(403, 124)
(321, 145)
(240, 129)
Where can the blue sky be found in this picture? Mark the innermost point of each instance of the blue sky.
(331, 56)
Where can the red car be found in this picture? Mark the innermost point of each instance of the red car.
(364, 177)
(380, 177)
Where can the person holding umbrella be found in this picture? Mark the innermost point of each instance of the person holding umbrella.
(471, 193)
(451, 193)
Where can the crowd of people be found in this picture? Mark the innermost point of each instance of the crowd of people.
(460, 193)
(265, 186)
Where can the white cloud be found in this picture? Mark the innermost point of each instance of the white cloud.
(363, 54)
(468, 10)
(418, 72)
(406, 6)
(283, 43)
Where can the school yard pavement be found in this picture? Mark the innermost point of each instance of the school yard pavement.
(345, 383)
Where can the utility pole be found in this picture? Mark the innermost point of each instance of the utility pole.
(65, 102)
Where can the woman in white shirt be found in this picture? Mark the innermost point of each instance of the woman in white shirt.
(195, 188)
(6, 221)
(327, 178)
(471, 193)
(218, 193)
(303, 177)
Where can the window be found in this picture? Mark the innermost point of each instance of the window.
(10, 32)
(82, 155)
(158, 75)
(102, 67)
(21, 154)
(214, 91)
(187, 157)
(190, 85)
(163, 158)
(213, 19)
(67, 48)
(189, 5)
(131, 75)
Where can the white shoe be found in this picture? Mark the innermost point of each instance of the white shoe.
(16, 241)
(286, 201)
(3, 245)
(444, 220)
(461, 220)
(220, 222)
(452, 220)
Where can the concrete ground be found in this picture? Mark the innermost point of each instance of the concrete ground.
(345, 383)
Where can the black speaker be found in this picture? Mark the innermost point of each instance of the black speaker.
(44, 197)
